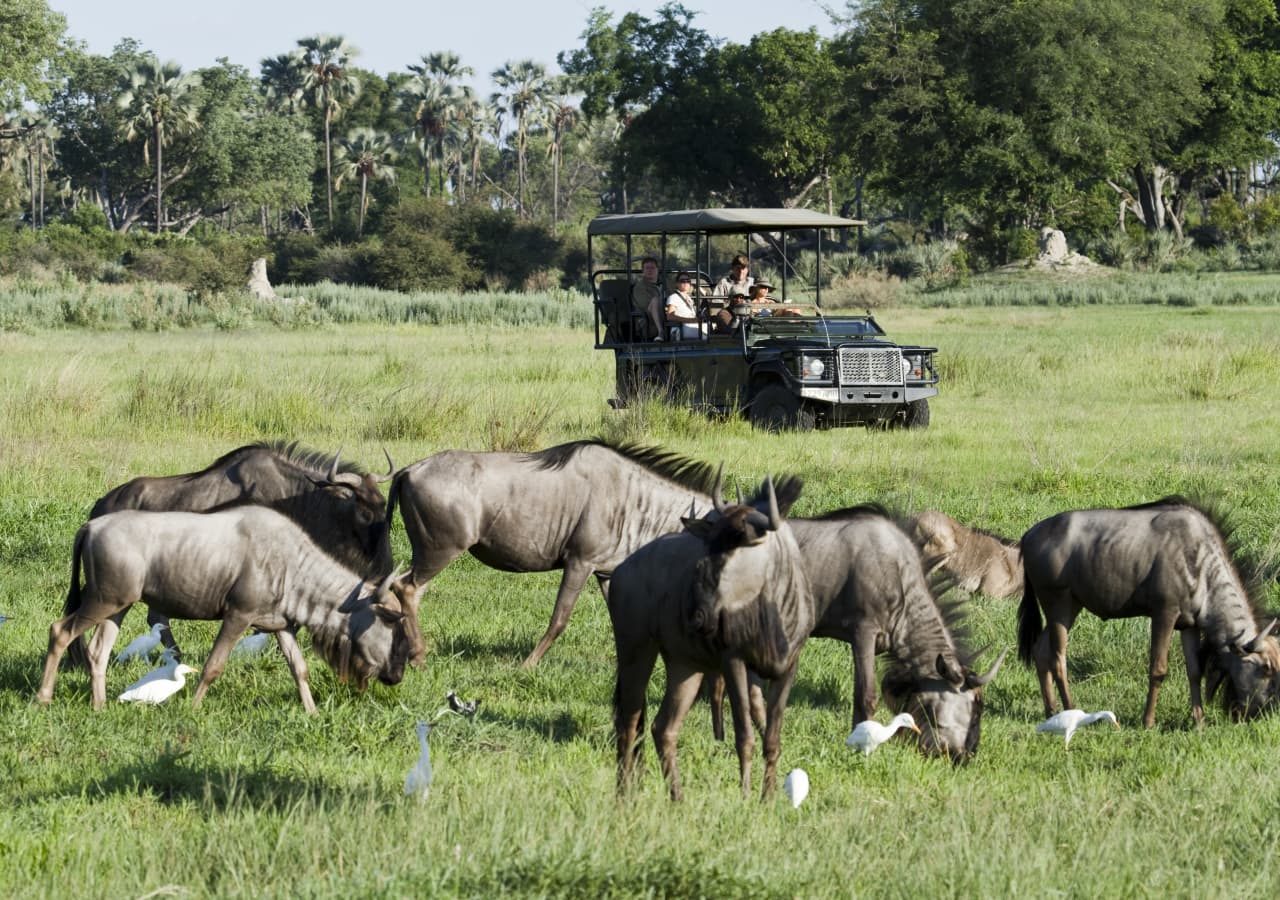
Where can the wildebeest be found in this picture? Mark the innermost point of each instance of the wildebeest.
(249, 566)
(870, 591)
(583, 507)
(338, 505)
(727, 595)
(976, 560)
(1167, 560)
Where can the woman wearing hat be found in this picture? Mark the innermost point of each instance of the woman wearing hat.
(682, 319)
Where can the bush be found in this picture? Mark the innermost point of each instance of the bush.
(412, 260)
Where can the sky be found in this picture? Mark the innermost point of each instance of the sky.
(391, 34)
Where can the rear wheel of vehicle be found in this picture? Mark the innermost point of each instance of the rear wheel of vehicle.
(917, 414)
(774, 408)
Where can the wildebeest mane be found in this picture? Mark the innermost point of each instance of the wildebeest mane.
(855, 512)
(690, 473)
(291, 451)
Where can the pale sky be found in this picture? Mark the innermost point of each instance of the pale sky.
(391, 35)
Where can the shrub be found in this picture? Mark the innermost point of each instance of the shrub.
(412, 260)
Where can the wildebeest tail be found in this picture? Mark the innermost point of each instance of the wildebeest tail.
(76, 652)
(393, 497)
(1029, 622)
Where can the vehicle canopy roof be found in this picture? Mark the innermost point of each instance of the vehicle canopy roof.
(716, 221)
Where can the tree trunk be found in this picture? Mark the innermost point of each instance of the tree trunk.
(555, 184)
(159, 139)
(328, 161)
(364, 199)
(426, 164)
(1150, 189)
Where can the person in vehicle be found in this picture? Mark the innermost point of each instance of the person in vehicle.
(681, 316)
(738, 279)
(646, 298)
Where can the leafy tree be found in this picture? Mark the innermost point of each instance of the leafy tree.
(560, 116)
(325, 61)
(160, 100)
(30, 36)
(366, 154)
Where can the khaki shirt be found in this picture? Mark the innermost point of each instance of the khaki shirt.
(643, 293)
(726, 287)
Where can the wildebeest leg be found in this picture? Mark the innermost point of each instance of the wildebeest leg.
(297, 665)
(863, 652)
(1191, 652)
(744, 738)
(778, 693)
(412, 584)
(1161, 635)
(635, 665)
(1057, 632)
(166, 633)
(231, 631)
(571, 584)
(104, 638)
(715, 696)
(683, 682)
(1044, 672)
(61, 634)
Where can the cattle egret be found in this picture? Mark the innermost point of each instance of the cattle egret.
(142, 647)
(869, 735)
(158, 685)
(252, 645)
(796, 786)
(460, 706)
(1066, 722)
(418, 782)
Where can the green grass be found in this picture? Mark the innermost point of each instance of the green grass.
(1042, 409)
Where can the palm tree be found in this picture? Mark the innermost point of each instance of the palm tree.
(445, 67)
(434, 107)
(524, 89)
(325, 59)
(366, 153)
(161, 102)
(284, 81)
(560, 116)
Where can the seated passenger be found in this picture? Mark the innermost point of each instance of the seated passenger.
(738, 279)
(764, 305)
(646, 298)
(681, 317)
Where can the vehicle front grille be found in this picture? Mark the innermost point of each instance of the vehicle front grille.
(865, 366)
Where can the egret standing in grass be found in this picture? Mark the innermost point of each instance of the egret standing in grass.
(867, 736)
(251, 645)
(158, 685)
(418, 782)
(796, 786)
(1066, 722)
(142, 647)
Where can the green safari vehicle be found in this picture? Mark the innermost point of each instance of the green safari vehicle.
(786, 366)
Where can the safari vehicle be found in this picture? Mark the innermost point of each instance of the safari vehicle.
(790, 367)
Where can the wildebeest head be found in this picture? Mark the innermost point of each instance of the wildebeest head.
(947, 705)
(375, 642)
(357, 508)
(1251, 671)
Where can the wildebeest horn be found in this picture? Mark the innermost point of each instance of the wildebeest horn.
(775, 517)
(1256, 644)
(333, 468)
(717, 498)
(948, 671)
(740, 501)
(391, 469)
(979, 680)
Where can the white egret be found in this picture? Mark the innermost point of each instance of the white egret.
(1066, 722)
(251, 645)
(796, 786)
(158, 685)
(418, 782)
(142, 647)
(867, 736)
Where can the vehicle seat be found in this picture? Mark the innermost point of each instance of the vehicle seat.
(622, 323)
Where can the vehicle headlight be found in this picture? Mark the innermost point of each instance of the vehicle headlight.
(813, 368)
(913, 366)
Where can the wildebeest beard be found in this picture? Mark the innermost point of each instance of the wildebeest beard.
(755, 624)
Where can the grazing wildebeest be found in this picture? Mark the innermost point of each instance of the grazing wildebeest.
(339, 506)
(582, 507)
(976, 560)
(1167, 560)
(870, 591)
(249, 566)
(727, 595)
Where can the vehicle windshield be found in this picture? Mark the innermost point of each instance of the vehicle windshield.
(832, 328)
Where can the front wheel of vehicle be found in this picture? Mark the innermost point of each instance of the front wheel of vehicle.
(774, 408)
(917, 414)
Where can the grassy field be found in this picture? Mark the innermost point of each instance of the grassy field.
(1042, 409)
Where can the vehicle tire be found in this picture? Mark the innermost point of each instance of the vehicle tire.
(774, 408)
(916, 414)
